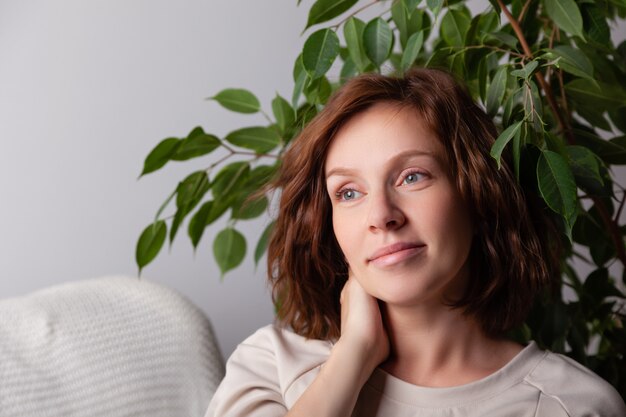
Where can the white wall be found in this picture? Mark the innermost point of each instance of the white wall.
(87, 88)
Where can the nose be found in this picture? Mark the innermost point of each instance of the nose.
(384, 214)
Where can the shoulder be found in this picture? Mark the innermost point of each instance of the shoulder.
(284, 345)
(566, 384)
(267, 372)
(285, 359)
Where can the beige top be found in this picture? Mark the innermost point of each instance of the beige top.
(269, 371)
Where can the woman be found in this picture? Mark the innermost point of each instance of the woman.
(401, 257)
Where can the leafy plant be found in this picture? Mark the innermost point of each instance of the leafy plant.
(546, 71)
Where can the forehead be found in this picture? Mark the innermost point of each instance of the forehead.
(381, 132)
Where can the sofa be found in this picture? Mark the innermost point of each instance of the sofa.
(113, 346)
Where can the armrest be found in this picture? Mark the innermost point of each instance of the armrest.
(113, 346)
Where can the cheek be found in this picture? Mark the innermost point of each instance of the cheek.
(345, 233)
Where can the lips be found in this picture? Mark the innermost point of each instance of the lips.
(394, 253)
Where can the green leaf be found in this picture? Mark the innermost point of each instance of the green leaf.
(283, 112)
(259, 139)
(501, 38)
(496, 90)
(585, 166)
(408, 20)
(377, 39)
(597, 27)
(611, 151)
(318, 91)
(619, 141)
(566, 15)
(188, 194)
(324, 10)
(527, 70)
(319, 52)
(557, 186)
(599, 286)
(301, 79)
(150, 243)
(400, 16)
(411, 4)
(511, 109)
(412, 50)
(434, 6)
(618, 117)
(261, 246)
(503, 139)
(196, 144)
(353, 33)
(176, 222)
(454, 27)
(230, 179)
(595, 93)
(487, 23)
(229, 249)
(191, 190)
(348, 70)
(250, 209)
(594, 115)
(238, 100)
(573, 61)
(199, 222)
(159, 156)
(260, 176)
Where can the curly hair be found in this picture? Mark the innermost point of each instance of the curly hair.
(510, 263)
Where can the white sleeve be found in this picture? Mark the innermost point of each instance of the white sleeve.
(251, 386)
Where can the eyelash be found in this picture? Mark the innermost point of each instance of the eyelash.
(412, 172)
(339, 195)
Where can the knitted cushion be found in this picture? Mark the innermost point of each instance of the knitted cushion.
(114, 346)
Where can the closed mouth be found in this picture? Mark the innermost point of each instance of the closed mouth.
(396, 248)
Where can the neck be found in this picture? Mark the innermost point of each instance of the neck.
(441, 348)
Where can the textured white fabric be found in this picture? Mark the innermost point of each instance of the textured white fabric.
(114, 346)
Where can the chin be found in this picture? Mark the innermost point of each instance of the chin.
(398, 293)
(405, 289)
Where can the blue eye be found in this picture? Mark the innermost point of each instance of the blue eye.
(412, 178)
(347, 194)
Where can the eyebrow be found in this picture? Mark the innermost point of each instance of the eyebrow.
(402, 155)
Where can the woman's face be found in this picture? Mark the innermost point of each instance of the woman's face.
(397, 215)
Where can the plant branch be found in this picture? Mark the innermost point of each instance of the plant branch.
(249, 153)
(494, 48)
(357, 11)
(522, 13)
(612, 226)
(563, 126)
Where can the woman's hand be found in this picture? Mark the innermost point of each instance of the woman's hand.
(363, 345)
(362, 326)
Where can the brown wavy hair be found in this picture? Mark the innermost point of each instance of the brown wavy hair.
(509, 262)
